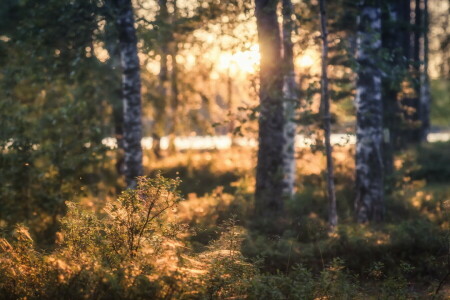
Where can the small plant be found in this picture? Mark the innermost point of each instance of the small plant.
(127, 252)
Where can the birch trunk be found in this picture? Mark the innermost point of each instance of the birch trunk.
(290, 99)
(269, 171)
(332, 212)
(369, 204)
(131, 92)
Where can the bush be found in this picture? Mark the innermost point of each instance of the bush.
(128, 252)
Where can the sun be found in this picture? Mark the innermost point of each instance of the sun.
(246, 62)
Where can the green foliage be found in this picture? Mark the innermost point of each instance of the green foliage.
(134, 221)
(52, 104)
(137, 248)
(432, 163)
(109, 256)
(440, 92)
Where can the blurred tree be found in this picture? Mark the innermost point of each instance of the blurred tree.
(111, 43)
(269, 170)
(52, 99)
(416, 105)
(164, 36)
(332, 212)
(175, 101)
(395, 40)
(425, 96)
(369, 124)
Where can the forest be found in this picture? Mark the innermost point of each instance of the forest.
(238, 149)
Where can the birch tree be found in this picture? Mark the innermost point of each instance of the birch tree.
(269, 171)
(369, 112)
(290, 99)
(131, 91)
(332, 213)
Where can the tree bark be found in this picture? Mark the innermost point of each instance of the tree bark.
(393, 36)
(369, 204)
(269, 171)
(174, 83)
(163, 39)
(425, 97)
(332, 212)
(112, 46)
(290, 99)
(131, 92)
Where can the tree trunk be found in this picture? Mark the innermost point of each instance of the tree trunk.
(392, 39)
(160, 110)
(174, 93)
(290, 99)
(112, 46)
(425, 97)
(269, 171)
(332, 212)
(369, 204)
(412, 113)
(131, 92)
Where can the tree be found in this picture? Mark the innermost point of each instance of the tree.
(395, 40)
(114, 79)
(332, 213)
(269, 170)
(131, 92)
(164, 35)
(52, 110)
(175, 101)
(290, 100)
(425, 97)
(369, 113)
(417, 107)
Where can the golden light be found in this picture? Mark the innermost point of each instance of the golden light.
(242, 61)
(304, 61)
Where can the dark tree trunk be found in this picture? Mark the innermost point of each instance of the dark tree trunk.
(369, 204)
(131, 92)
(405, 28)
(411, 106)
(425, 97)
(417, 120)
(112, 46)
(332, 212)
(163, 19)
(174, 83)
(393, 36)
(160, 118)
(269, 171)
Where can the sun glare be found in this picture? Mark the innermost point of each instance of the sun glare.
(242, 61)
(304, 61)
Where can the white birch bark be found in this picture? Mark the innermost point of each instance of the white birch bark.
(289, 103)
(131, 92)
(369, 126)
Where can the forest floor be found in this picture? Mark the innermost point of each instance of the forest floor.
(211, 246)
(407, 252)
